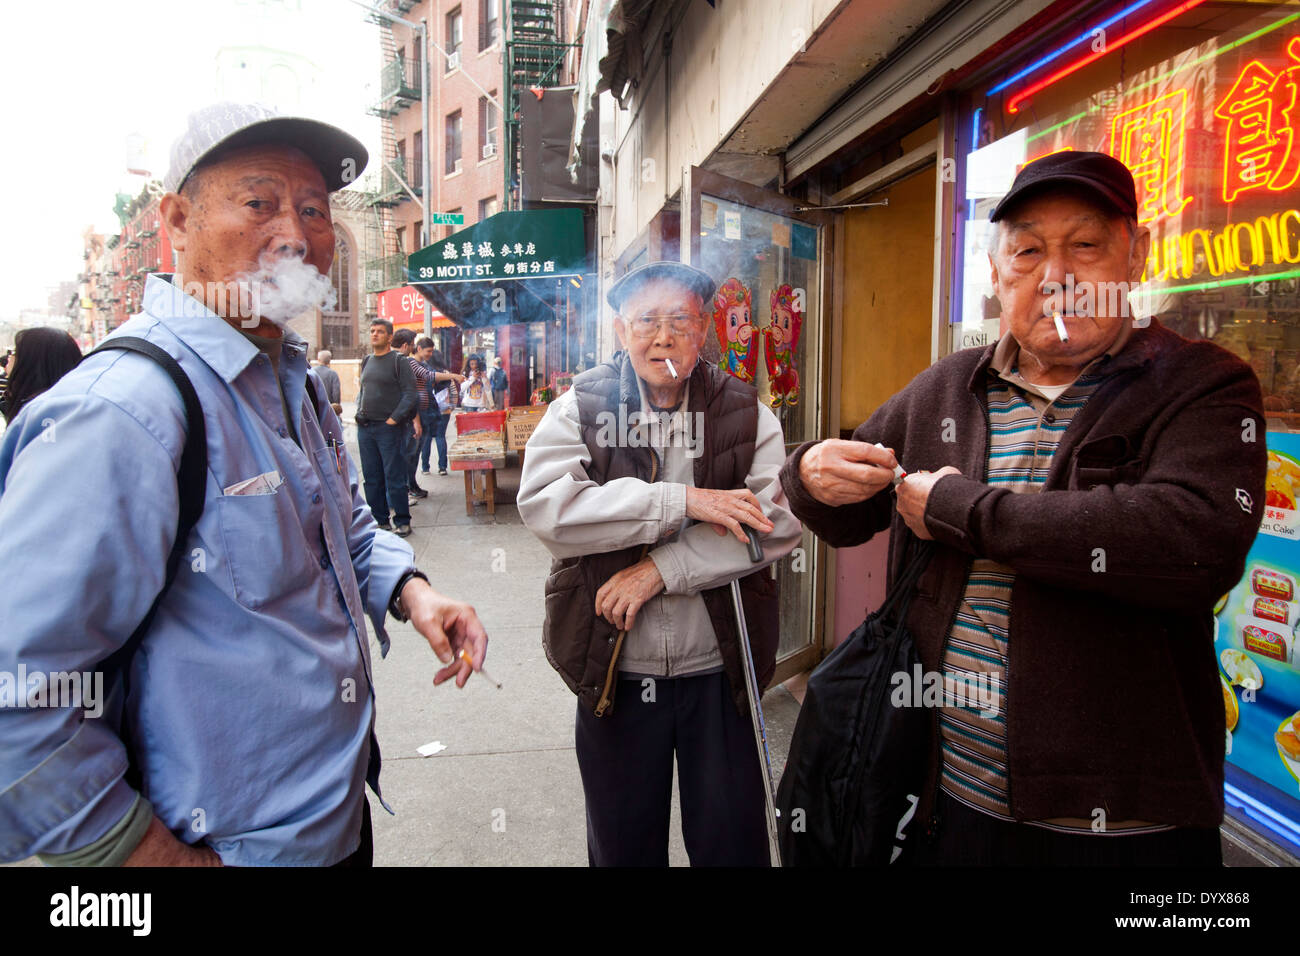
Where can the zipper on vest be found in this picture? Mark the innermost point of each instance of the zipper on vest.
(607, 692)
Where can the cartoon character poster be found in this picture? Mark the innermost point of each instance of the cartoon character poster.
(736, 338)
(782, 338)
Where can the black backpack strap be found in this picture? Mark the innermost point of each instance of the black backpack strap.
(191, 482)
(315, 397)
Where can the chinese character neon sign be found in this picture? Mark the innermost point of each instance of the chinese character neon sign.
(1149, 139)
(1263, 113)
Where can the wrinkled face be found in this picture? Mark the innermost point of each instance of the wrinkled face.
(739, 328)
(1060, 252)
(380, 337)
(662, 320)
(782, 324)
(255, 202)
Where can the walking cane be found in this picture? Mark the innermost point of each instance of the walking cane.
(755, 705)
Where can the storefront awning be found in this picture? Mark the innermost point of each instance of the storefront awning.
(611, 58)
(405, 307)
(513, 266)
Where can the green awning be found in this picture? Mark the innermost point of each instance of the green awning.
(532, 257)
(522, 245)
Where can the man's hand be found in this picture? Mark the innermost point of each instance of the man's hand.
(389, 421)
(448, 626)
(838, 472)
(914, 494)
(418, 429)
(727, 510)
(160, 848)
(619, 598)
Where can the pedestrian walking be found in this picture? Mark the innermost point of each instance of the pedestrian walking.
(243, 705)
(41, 357)
(385, 405)
(646, 523)
(499, 382)
(330, 379)
(404, 343)
(435, 431)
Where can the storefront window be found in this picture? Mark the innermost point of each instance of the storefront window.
(1202, 103)
(1203, 110)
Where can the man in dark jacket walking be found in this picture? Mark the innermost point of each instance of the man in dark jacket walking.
(1093, 484)
(643, 512)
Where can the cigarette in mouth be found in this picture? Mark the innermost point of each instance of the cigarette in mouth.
(671, 371)
(1060, 326)
(899, 473)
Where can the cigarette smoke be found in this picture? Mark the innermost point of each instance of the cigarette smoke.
(284, 287)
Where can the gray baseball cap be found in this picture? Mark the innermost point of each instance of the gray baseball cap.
(701, 283)
(339, 155)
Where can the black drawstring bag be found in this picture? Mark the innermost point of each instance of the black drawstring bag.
(857, 762)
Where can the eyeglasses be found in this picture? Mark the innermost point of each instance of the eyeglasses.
(647, 326)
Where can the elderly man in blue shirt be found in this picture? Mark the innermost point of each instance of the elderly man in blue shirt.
(250, 706)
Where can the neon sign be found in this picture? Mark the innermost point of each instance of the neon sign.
(1263, 112)
(1149, 140)
(1013, 105)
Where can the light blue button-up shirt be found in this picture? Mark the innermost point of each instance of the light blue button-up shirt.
(251, 706)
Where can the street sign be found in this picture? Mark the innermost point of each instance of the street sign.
(447, 219)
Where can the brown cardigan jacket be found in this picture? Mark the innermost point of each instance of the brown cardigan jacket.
(1113, 697)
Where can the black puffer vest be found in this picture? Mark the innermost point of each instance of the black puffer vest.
(584, 648)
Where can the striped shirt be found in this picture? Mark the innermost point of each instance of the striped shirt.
(1026, 424)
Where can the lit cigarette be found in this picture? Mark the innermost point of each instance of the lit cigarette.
(671, 371)
(899, 473)
(464, 656)
(1060, 326)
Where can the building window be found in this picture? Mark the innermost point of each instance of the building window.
(487, 126)
(401, 239)
(488, 207)
(489, 23)
(453, 156)
(455, 30)
(452, 229)
(417, 232)
(416, 172)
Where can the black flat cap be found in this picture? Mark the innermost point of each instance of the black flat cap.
(695, 280)
(1103, 175)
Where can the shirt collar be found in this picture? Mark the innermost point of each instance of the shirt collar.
(1006, 359)
(210, 336)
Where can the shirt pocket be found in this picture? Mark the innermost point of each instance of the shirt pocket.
(265, 547)
(1109, 461)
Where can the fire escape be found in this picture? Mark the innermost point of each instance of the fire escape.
(535, 58)
(399, 89)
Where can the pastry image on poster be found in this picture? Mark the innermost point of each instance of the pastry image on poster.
(782, 338)
(732, 319)
(1281, 486)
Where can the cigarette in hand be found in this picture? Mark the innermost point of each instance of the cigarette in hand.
(671, 371)
(899, 473)
(1060, 326)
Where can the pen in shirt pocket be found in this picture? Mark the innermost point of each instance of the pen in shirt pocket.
(337, 446)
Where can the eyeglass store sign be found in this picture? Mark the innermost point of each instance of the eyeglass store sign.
(527, 244)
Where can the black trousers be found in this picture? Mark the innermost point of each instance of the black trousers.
(626, 760)
(365, 853)
(967, 837)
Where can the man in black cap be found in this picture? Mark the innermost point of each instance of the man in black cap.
(1092, 484)
(639, 480)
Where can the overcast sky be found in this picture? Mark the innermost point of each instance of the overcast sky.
(87, 82)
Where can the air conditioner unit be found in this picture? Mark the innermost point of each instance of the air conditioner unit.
(489, 150)
(453, 61)
(456, 166)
